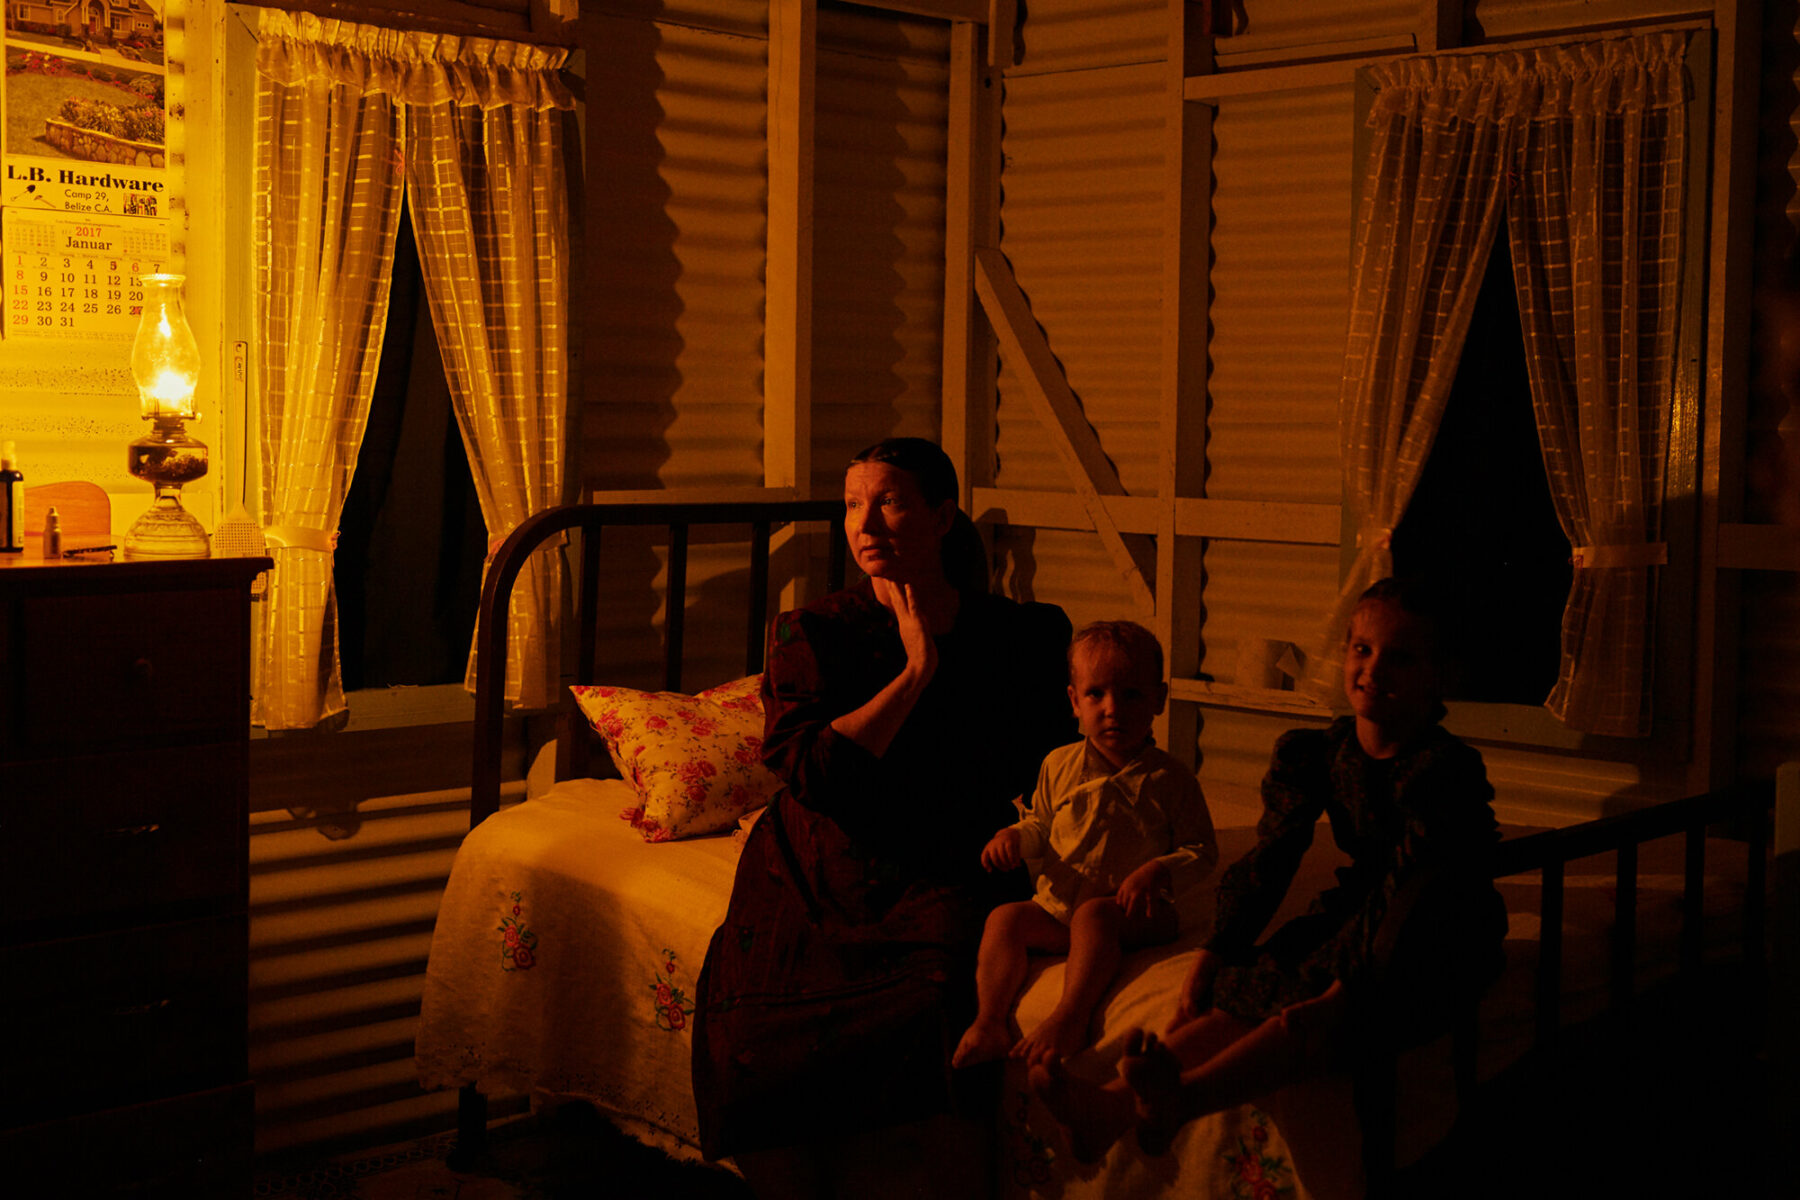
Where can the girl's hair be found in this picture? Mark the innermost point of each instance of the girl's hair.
(1426, 602)
(1418, 598)
(1136, 643)
(964, 556)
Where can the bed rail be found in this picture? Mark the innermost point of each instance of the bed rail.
(589, 521)
(1743, 808)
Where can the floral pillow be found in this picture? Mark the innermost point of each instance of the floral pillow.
(694, 761)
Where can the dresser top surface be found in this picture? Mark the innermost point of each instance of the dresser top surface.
(21, 573)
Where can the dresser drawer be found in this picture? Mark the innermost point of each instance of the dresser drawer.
(120, 833)
(120, 1018)
(108, 670)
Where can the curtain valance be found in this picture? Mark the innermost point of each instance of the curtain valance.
(416, 68)
(1590, 79)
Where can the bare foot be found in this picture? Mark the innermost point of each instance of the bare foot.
(1054, 1040)
(1096, 1116)
(984, 1041)
(1154, 1076)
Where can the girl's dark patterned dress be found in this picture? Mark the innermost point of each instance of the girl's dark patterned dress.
(1421, 818)
(842, 975)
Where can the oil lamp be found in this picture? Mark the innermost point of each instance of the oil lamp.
(165, 362)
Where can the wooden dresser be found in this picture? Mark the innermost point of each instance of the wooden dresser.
(124, 877)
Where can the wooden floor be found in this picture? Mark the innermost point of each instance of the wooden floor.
(1680, 1106)
(568, 1154)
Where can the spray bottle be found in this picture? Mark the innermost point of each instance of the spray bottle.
(12, 503)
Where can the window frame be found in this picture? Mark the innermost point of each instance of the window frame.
(1671, 741)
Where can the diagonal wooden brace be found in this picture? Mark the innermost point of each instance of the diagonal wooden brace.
(1022, 340)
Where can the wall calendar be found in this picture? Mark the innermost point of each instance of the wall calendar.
(73, 277)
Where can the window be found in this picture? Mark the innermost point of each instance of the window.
(411, 538)
(1482, 521)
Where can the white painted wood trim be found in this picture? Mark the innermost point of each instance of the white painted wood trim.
(787, 321)
(1056, 406)
(1196, 517)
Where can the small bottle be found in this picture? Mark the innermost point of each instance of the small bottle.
(12, 503)
(53, 534)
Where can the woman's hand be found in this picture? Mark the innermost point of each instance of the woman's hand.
(915, 632)
(1002, 851)
(875, 725)
(1196, 990)
(1145, 891)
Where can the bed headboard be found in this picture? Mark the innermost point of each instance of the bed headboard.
(759, 518)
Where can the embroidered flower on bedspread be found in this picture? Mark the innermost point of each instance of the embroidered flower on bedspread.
(1033, 1162)
(518, 947)
(1256, 1175)
(672, 1004)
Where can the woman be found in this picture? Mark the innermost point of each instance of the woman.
(905, 715)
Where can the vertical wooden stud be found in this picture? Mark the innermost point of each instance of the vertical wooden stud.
(1187, 171)
(788, 291)
(787, 320)
(971, 219)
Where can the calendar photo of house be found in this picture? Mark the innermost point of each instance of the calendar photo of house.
(84, 80)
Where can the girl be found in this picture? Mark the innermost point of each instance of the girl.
(1411, 933)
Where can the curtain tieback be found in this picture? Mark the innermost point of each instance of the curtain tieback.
(299, 537)
(1377, 537)
(1637, 554)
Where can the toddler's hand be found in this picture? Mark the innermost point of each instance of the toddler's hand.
(1196, 990)
(1145, 891)
(1002, 851)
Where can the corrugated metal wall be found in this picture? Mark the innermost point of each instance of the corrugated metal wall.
(340, 927)
(878, 236)
(1082, 222)
(1280, 284)
(672, 349)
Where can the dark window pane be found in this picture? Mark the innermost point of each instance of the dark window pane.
(411, 539)
(1482, 522)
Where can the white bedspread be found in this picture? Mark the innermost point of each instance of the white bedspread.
(617, 928)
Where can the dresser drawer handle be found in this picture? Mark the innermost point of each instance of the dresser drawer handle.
(142, 1010)
(133, 831)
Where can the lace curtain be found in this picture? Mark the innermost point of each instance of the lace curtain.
(1596, 226)
(1583, 146)
(489, 212)
(344, 113)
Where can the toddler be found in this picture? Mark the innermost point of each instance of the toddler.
(1410, 935)
(1116, 827)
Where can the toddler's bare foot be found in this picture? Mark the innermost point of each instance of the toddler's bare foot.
(1055, 1039)
(984, 1041)
(1096, 1116)
(1154, 1076)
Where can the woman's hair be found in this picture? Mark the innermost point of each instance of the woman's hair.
(962, 552)
(1136, 643)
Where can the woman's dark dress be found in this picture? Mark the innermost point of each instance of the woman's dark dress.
(842, 975)
(1422, 819)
